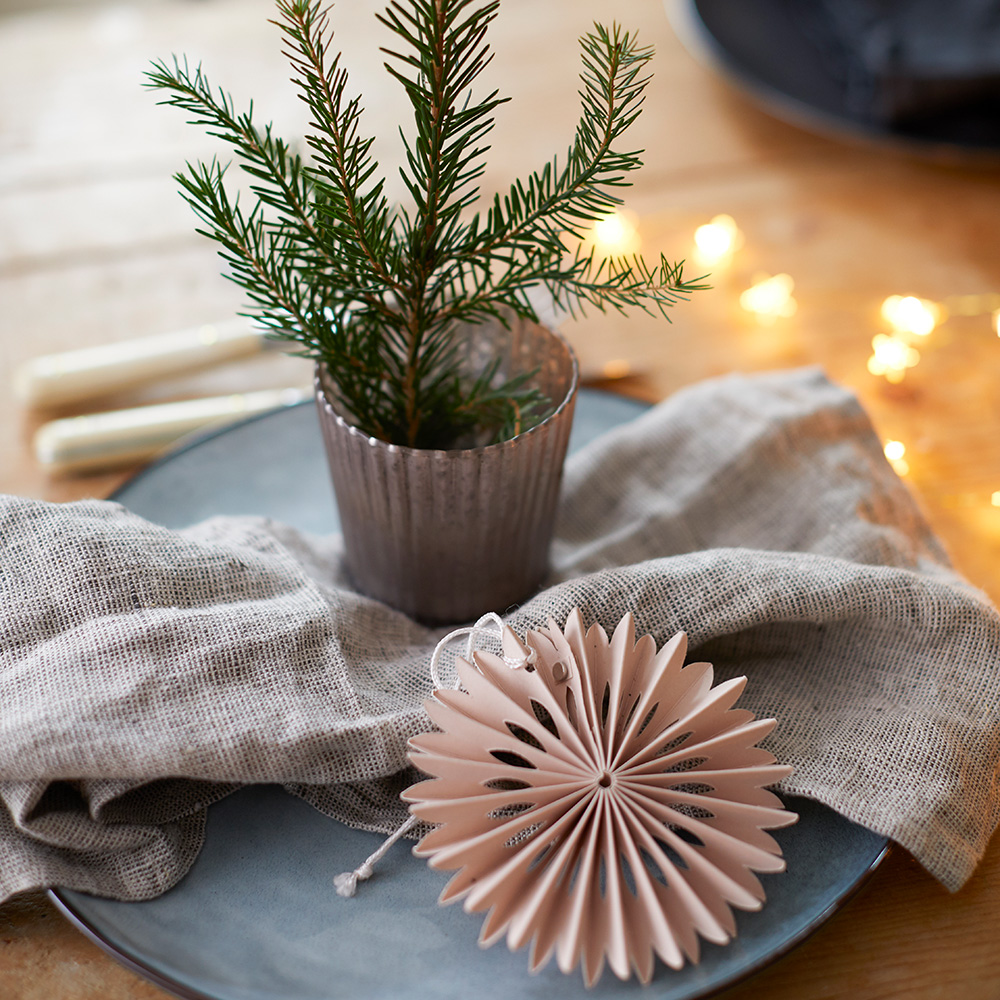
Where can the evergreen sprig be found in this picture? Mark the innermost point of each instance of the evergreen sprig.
(375, 291)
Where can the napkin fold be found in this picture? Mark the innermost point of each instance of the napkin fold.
(147, 672)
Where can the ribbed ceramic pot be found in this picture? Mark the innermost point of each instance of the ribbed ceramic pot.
(446, 536)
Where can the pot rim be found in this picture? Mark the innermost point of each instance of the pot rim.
(376, 442)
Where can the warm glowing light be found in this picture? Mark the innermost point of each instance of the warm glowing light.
(616, 368)
(907, 314)
(717, 240)
(770, 297)
(894, 450)
(891, 357)
(995, 499)
(996, 321)
(615, 234)
(610, 229)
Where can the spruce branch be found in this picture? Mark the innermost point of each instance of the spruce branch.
(375, 291)
(359, 220)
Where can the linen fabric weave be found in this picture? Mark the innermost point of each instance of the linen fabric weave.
(145, 672)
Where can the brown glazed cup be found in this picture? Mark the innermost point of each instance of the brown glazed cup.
(446, 536)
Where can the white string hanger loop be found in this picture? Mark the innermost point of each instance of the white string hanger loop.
(514, 653)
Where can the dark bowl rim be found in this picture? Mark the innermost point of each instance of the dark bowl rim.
(702, 44)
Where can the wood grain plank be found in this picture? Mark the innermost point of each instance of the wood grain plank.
(96, 246)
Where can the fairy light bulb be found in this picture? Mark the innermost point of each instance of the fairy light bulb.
(891, 357)
(770, 297)
(907, 314)
(616, 233)
(996, 321)
(895, 452)
(610, 229)
(717, 240)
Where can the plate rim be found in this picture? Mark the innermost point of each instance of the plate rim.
(137, 964)
(147, 971)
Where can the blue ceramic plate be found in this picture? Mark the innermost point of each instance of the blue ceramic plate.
(257, 918)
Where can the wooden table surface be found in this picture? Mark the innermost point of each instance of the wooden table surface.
(96, 246)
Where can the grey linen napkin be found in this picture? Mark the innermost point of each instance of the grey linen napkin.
(145, 672)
